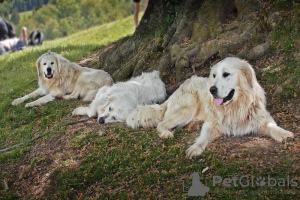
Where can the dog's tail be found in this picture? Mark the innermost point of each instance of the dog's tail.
(146, 116)
(90, 95)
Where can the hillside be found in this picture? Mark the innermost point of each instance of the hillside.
(88, 161)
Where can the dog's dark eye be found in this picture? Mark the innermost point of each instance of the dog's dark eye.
(214, 75)
(113, 118)
(225, 74)
(110, 109)
(52, 63)
(45, 63)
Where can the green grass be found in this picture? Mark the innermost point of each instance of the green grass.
(25, 15)
(18, 77)
(122, 163)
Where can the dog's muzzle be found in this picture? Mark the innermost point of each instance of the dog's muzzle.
(219, 101)
(49, 74)
(213, 90)
(101, 120)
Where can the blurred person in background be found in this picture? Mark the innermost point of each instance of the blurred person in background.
(137, 10)
(14, 43)
(6, 30)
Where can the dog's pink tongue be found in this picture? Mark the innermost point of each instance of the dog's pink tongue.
(218, 102)
(48, 75)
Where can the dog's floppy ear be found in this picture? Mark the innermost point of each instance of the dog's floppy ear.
(110, 99)
(106, 102)
(248, 73)
(38, 66)
(58, 63)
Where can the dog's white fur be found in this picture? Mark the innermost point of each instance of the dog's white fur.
(243, 114)
(114, 103)
(58, 77)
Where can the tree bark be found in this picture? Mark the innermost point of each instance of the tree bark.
(201, 33)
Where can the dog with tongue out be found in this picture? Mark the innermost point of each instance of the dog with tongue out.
(220, 101)
(61, 78)
(230, 101)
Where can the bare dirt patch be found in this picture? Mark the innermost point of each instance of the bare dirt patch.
(30, 175)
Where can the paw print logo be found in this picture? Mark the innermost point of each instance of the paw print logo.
(261, 181)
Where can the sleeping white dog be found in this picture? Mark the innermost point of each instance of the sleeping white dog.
(230, 102)
(114, 103)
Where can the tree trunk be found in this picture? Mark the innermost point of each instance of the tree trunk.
(202, 32)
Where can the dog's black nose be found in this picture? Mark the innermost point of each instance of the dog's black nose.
(49, 70)
(101, 120)
(213, 90)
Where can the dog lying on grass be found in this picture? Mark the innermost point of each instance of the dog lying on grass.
(114, 103)
(60, 78)
(230, 102)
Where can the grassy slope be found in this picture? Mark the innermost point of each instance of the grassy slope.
(18, 70)
(24, 15)
(122, 163)
(18, 77)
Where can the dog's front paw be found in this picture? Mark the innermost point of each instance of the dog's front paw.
(194, 150)
(166, 135)
(80, 111)
(282, 135)
(30, 105)
(17, 102)
(75, 112)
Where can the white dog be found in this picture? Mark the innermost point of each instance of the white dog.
(58, 77)
(229, 102)
(114, 103)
